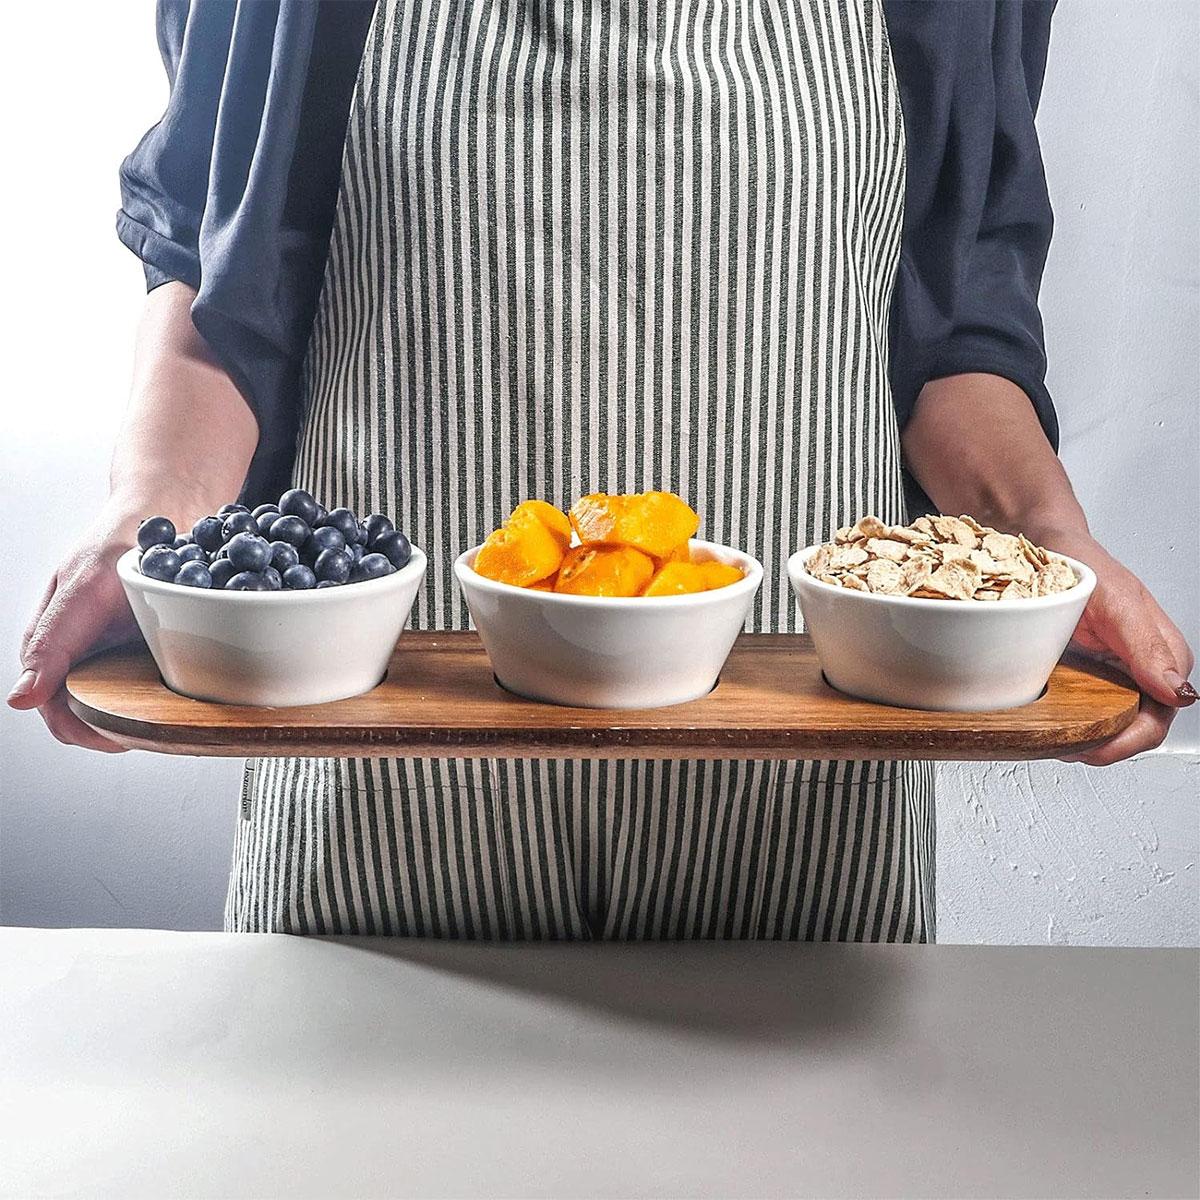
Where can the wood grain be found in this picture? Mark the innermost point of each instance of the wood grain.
(440, 699)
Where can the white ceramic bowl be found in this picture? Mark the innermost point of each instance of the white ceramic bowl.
(948, 655)
(602, 652)
(278, 649)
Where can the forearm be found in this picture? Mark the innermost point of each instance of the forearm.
(975, 445)
(188, 435)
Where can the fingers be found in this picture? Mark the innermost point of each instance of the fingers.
(1143, 733)
(71, 731)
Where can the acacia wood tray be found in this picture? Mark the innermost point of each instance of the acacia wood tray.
(441, 700)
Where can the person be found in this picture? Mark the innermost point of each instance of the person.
(432, 258)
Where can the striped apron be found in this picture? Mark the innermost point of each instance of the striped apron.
(599, 245)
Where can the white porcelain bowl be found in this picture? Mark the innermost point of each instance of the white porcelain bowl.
(602, 652)
(948, 655)
(278, 649)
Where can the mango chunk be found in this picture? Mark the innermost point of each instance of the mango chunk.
(653, 522)
(719, 575)
(604, 571)
(553, 518)
(679, 554)
(522, 553)
(681, 578)
(677, 579)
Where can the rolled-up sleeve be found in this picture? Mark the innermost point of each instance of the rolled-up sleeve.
(977, 218)
(233, 191)
(164, 182)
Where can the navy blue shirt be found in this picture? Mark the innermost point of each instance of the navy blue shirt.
(233, 192)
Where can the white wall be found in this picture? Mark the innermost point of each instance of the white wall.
(1060, 853)
(1120, 129)
(136, 839)
(1027, 853)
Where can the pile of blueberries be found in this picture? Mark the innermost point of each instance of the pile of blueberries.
(294, 545)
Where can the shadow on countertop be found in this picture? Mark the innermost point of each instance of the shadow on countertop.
(780, 992)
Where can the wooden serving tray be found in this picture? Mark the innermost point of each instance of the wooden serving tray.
(441, 700)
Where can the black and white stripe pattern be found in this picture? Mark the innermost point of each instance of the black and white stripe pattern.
(638, 849)
(596, 245)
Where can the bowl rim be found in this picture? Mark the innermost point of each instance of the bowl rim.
(1085, 585)
(130, 576)
(748, 584)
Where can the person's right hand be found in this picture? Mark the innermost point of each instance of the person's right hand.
(181, 397)
(82, 610)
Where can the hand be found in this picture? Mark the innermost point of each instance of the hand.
(975, 445)
(181, 394)
(1124, 625)
(82, 610)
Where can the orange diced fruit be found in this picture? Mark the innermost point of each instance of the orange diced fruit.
(595, 517)
(604, 571)
(553, 518)
(520, 553)
(677, 579)
(666, 521)
(653, 522)
(681, 578)
(679, 554)
(719, 575)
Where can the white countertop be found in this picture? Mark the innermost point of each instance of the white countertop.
(175, 1064)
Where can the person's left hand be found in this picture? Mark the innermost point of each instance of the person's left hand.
(1124, 625)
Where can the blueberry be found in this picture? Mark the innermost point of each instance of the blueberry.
(375, 526)
(155, 531)
(284, 555)
(322, 513)
(298, 503)
(194, 574)
(358, 550)
(329, 583)
(262, 508)
(247, 581)
(371, 566)
(226, 509)
(334, 565)
(290, 528)
(190, 552)
(264, 521)
(207, 533)
(249, 552)
(299, 578)
(395, 547)
(161, 562)
(238, 522)
(344, 521)
(273, 578)
(325, 538)
(222, 571)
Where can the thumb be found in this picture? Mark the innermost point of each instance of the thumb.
(72, 623)
(1134, 637)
